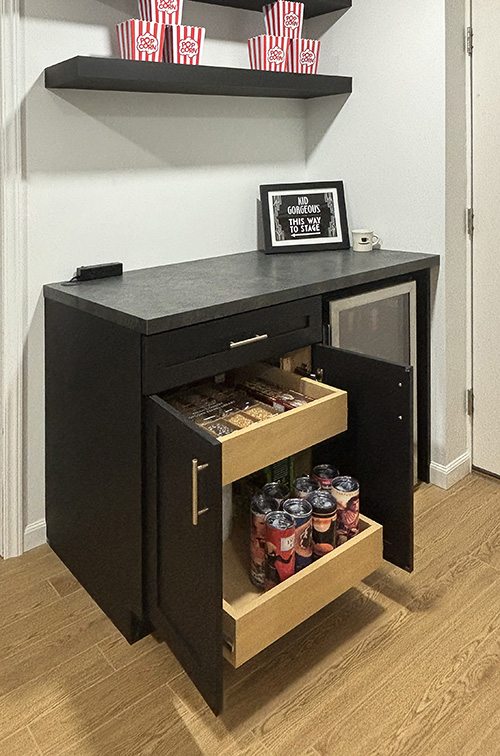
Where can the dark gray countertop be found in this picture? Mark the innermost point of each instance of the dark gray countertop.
(158, 299)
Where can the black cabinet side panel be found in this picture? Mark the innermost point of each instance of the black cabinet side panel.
(423, 374)
(93, 459)
(377, 448)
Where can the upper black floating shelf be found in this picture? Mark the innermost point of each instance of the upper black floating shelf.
(313, 7)
(114, 74)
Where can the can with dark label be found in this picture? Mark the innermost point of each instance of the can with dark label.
(280, 548)
(259, 508)
(345, 491)
(304, 486)
(277, 491)
(324, 522)
(301, 511)
(324, 474)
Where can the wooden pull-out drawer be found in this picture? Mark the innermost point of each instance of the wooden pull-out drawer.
(252, 620)
(268, 441)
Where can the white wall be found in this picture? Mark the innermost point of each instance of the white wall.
(399, 144)
(108, 175)
(117, 176)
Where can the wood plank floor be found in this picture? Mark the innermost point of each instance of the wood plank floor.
(401, 665)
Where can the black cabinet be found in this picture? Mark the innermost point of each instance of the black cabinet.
(134, 488)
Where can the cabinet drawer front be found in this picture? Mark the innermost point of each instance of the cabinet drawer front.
(253, 620)
(187, 354)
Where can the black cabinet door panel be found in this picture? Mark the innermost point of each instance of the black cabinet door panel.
(377, 448)
(184, 571)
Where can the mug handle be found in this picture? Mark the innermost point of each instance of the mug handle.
(375, 239)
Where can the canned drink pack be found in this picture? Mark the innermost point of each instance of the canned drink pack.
(303, 55)
(268, 52)
(277, 491)
(259, 508)
(184, 44)
(141, 40)
(304, 486)
(284, 18)
(345, 491)
(301, 511)
(324, 474)
(324, 522)
(162, 11)
(280, 548)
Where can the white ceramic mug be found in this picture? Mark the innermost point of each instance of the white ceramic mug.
(363, 240)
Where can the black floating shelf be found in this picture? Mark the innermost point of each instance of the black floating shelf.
(114, 74)
(313, 7)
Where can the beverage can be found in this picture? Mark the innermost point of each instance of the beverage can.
(301, 511)
(324, 474)
(280, 548)
(259, 508)
(304, 486)
(345, 491)
(277, 491)
(324, 522)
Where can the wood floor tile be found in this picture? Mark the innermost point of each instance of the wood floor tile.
(20, 744)
(418, 704)
(20, 602)
(140, 730)
(119, 652)
(42, 657)
(26, 563)
(44, 622)
(70, 721)
(64, 583)
(36, 697)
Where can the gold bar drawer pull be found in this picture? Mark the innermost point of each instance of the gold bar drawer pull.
(197, 512)
(252, 340)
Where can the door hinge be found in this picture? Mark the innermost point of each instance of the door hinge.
(470, 402)
(470, 222)
(469, 44)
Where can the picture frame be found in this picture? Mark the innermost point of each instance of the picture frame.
(304, 217)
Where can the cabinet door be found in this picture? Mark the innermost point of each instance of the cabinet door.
(377, 448)
(184, 559)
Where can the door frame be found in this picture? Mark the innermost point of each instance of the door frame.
(13, 250)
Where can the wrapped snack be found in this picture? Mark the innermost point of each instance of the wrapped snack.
(141, 40)
(260, 411)
(219, 428)
(303, 56)
(240, 420)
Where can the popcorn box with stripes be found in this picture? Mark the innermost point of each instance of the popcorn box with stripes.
(141, 40)
(184, 44)
(284, 19)
(268, 52)
(161, 11)
(303, 56)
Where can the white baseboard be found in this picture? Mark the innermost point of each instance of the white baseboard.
(445, 476)
(35, 535)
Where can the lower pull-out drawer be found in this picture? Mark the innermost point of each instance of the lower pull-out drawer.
(252, 620)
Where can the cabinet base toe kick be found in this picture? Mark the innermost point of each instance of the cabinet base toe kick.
(252, 620)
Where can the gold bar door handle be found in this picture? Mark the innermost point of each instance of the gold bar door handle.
(252, 340)
(197, 512)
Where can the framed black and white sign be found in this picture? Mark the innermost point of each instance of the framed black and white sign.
(304, 217)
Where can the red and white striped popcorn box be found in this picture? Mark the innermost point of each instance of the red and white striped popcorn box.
(268, 52)
(284, 19)
(303, 56)
(184, 44)
(162, 11)
(141, 40)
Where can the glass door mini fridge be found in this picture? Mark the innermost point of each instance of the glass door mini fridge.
(381, 324)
